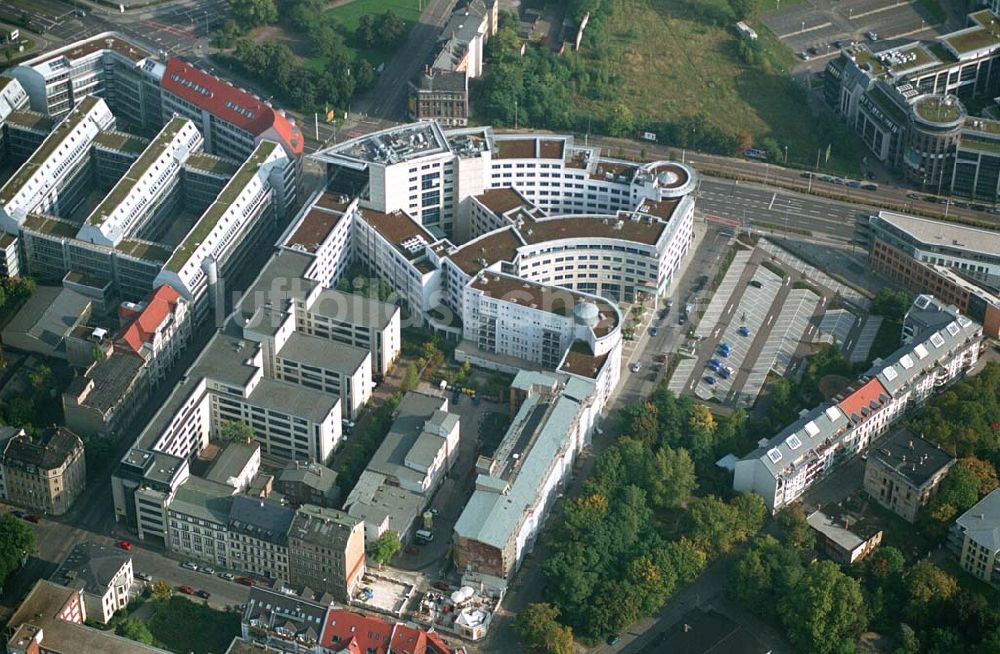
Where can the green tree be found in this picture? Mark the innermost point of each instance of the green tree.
(765, 574)
(687, 560)
(390, 30)
(652, 579)
(161, 591)
(750, 514)
(365, 31)
(795, 531)
(984, 472)
(621, 122)
(927, 587)
(824, 610)
(890, 303)
(136, 630)
(386, 547)
(744, 9)
(17, 540)
(411, 378)
(672, 479)
(711, 525)
(236, 431)
(538, 626)
(253, 13)
(959, 490)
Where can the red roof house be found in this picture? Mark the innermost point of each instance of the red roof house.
(347, 631)
(231, 104)
(143, 329)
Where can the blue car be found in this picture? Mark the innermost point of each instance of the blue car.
(744, 331)
(714, 363)
(710, 380)
(653, 331)
(723, 373)
(724, 349)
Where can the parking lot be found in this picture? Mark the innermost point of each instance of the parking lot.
(815, 26)
(744, 328)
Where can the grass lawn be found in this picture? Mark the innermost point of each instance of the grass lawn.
(674, 65)
(346, 17)
(185, 626)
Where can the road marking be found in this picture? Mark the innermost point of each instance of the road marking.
(770, 319)
(808, 29)
(773, 198)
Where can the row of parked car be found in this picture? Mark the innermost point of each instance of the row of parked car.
(961, 204)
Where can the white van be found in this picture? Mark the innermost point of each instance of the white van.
(423, 536)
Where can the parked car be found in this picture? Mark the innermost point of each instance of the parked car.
(744, 331)
(207, 570)
(723, 374)
(636, 367)
(660, 358)
(653, 331)
(613, 639)
(124, 544)
(190, 565)
(246, 581)
(714, 363)
(710, 380)
(204, 594)
(142, 576)
(228, 576)
(411, 549)
(20, 514)
(872, 36)
(682, 320)
(804, 56)
(187, 590)
(31, 517)
(725, 349)
(652, 376)
(441, 585)
(756, 284)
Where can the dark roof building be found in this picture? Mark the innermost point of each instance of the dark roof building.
(904, 472)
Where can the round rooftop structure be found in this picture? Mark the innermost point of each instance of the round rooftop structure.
(938, 112)
(671, 179)
(586, 313)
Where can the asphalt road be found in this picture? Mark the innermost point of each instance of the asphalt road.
(387, 99)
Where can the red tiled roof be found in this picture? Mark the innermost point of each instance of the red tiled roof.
(161, 304)
(359, 634)
(863, 398)
(221, 99)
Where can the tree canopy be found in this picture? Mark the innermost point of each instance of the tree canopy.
(17, 540)
(386, 547)
(539, 629)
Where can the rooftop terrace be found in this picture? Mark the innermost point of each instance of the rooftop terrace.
(394, 145)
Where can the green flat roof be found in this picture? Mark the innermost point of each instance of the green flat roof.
(987, 34)
(31, 120)
(211, 217)
(124, 186)
(122, 142)
(212, 164)
(49, 225)
(921, 58)
(936, 110)
(985, 125)
(144, 250)
(48, 146)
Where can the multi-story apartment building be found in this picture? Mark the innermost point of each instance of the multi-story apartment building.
(146, 90)
(326, 551)
(106, 65)
(441, 93)
(942, 345)
(233, 121)
(103, 576)
(904, 472)
(258, 537)
(148, 181)
(46, 473)
(975, 539)
(517, 487)
(160, 331)
(970, 251)
(48, 181)
(13, 98)
(308, 483)
(51, 619)
(940, 281)
(284, 622)
(906, 102)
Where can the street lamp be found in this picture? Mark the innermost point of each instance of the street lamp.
(786, 154)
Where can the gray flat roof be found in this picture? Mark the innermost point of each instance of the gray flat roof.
(260, 519)
(404, 437)
(981, 523)
(353, 308)
(936, 233)
(322, 526)
(324, 353)
(293, 399)
(231, 461)
(203, 499)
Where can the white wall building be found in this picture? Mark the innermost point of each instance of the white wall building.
(37, 184)
(103, 575)
(788, 464)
